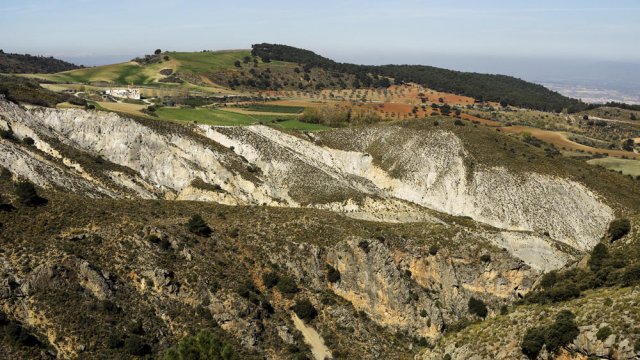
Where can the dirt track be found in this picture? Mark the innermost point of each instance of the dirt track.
(560, 140)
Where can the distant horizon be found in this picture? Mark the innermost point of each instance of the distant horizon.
(577, 41)
(604, 80)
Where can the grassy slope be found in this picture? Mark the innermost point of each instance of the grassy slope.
(227, 118)
(628, 167)
(132, 72)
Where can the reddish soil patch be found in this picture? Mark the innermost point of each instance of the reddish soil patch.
(559, 139)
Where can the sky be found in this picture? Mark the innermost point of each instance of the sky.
(466, 34)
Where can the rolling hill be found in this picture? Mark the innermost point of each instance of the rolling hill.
(498, 88)
(26, 64)
(279, 67)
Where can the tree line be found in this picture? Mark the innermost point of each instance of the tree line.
(29, 64)
(506, 90)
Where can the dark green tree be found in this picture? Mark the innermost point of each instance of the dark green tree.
(478, 307)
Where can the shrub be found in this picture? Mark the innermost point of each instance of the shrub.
(135, 346)
(20, 335)
(433, 249)
(28, 195)
(7, 134)
(504, 310)
(165, 244)
(333, 275)
(477, 307)
(287, 286)
(423, 313)
(270, 279)
(364, 245)
(533, 341)
(234, 232)
(458, 122)
(202, 346)
(562, 332)
(619, 228)
(114, 341)
(563, 291)
(154, 239)
(305, 310)
(631, 275)
(198, 226)
(549, 279)
(485, 258)
(603, 333)
(598, 255)
(28, 141)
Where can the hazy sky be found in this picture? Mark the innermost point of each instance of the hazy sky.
(363, 31)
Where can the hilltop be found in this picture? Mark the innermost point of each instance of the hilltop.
(280, 67)
(26, 64)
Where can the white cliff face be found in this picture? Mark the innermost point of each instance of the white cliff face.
(383, 174)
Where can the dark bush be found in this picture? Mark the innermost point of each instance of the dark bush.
(28, 195)
(198, 226)
(153, 239)
(234, 232)
(202, 346)
(458, 122)
(433, 249)
(485, 258)
(562, 332)
(364, 245)
(598, 255)
(114, 341)
(333, 275)
(563, 291)
(305, 310)
(7, 134)
(165, 244)
(28, 141)
(477, 307)
(549, 279)
(270, 279)
(135, 346)
(20, 335)
(287, 286)
(631, 275)
(619, 228)
(533, 342)
(603, 333)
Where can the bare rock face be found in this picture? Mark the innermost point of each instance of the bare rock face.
(372, 282)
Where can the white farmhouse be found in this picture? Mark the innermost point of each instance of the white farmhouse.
(128, 93)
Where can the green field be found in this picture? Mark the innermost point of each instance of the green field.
(628, 167)
(275, 108)
(226, 118)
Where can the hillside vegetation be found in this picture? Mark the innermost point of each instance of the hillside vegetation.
(29, 64)
(498, 88)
